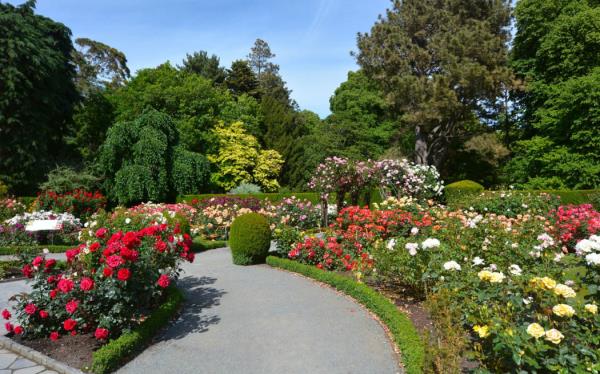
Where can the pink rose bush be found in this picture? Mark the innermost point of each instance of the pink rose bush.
(110, 282)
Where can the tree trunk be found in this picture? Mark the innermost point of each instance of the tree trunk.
(421, 149)
(324, 211)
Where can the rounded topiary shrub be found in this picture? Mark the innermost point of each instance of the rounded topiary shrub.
(454, 192)
(250, 239)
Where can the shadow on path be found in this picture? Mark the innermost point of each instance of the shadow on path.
(199, 298)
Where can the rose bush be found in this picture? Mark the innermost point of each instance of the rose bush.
(112, 280)
(79, 203)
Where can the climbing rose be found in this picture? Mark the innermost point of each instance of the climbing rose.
(5, 314)
(86, 284)
(30, 309)
(71, 306)
(18, 330)
(69, 324)
(123, 274)
(101, 334)
(54, 336)
(65, 285)
(43, 314)
(163, 281)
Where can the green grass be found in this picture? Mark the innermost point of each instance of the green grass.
(112, 355)
(200, 244)
(401, 328)
(15, 249)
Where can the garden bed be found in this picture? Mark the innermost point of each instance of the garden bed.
(16, 249)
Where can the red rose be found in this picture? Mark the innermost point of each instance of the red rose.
(131, 240)
(52, 294)
(50, 263)
(18, 330)
(86, 284)
(9, 327)
(73, 333)
(101, 232)
(114, 261)
(27, 271)
(65, 285)
(6, 314)
(54, 336)
(69, 324)
(107, 272)
(37, 261)
(94, 246)
(43, 314)
(71, 306)
(160, 246)
(30, 308)
(101, 334)
(163, 281)
(123, 274)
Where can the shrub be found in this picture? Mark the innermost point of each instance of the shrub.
(458, 190)
(79, 203)
(10, 208)
(245, 188)
(64, 179)
(250, 239)
(3, 190)
(513, 203)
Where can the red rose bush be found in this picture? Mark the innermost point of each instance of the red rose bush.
(110, 282)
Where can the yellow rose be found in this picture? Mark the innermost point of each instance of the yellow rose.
(485, 275)
(496, 277)
(564, 291)
(545, 282)
(591, 308)
(554, 336)
(563, 310)
(482, 331)
(535, 330)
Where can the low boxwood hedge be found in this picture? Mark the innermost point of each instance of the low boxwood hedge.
(116, 352)
(15, 249)
(200, 244)
(250, 239)
(401, 328)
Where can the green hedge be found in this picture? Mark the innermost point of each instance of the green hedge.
(112, 355)
(576, 196)
(314, 197)
(461, 189)
(250, 239)
(13, 250)
(200, 244)
(403, 331)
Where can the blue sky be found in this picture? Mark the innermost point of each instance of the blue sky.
(311, 38)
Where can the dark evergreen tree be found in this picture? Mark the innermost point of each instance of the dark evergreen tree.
(241, 79)
(207, 66)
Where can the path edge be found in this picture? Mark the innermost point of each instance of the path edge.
(401, 329)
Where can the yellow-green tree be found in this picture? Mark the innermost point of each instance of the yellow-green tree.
(240, 160)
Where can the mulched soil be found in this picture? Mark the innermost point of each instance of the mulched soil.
(75, 351)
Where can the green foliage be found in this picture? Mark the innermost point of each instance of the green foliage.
(439, 64)
(15, 250)
(461, 189)
(98, 66)
(3, 190)
(245, 189)
(240, 159)
(208, 67)
(142, 161)
(555, 52)
(37, 95)
(250, 239)
(241, 79)
(399, 325)
(112, 355)
(64, 179)
(272, 197)
(91, 121)
(200, 244)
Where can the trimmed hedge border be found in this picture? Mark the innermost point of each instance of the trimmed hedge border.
(13, 250)
(403, 331)
(200, 244)
(116, 352)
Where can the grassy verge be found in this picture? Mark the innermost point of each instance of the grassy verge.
(112, 355)
(401, 328)
(200, 244)
(15, 249)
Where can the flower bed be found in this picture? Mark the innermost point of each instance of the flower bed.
(79, 203)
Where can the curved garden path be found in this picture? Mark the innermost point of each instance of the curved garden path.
(257, 319)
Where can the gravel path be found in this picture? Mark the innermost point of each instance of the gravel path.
(261, 320)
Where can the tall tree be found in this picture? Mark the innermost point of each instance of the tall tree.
(440, 63)
(241, 79)
(99, 66)
(207, 66)
(260, 59)
(269, 80)
(37, 94)
(556, 52)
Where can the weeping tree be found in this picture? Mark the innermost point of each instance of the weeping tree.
(142, 161)
(441, 65)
